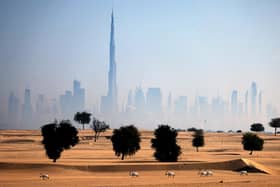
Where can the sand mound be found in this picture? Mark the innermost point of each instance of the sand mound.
(232, 165)
(256, 167)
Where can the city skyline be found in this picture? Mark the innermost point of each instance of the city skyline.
(163, 54)
(146, 105)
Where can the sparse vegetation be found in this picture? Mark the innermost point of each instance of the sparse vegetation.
(165, 144)
(192, 129)
(98, 127)
(198, 139)
(82, 118)
(57, 137)
(252, 142)
(275, 123)
(257, 127)
(126, 141)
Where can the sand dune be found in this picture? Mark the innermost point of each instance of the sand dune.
(231, 165)
(22, 159)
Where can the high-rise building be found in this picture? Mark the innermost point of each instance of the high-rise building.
(154, 100)
(169, 103)
(40, 104)
(180, 106)
(66, 104)
(253, 98)
(129, 104)
(260, 102)
(109, 103)
(72, 102)
(78, 96)
(139, 99)
(27, 108)
(203, 106)
(234, 103)
(13, 109)
(246, 103)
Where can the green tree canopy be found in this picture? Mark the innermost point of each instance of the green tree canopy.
(165, 144)
(198, 139)
(257, 127)
(82, 118)
(126, 141)
(275, 123)
(58, 137)
(252, 142)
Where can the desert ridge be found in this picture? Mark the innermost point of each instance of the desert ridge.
(89, 163)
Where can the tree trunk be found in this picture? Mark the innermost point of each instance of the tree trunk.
(122, 156)
(275, 131)
(95, 137)
(196, 149)
(251, 152)
(83, 126)
(54, 160)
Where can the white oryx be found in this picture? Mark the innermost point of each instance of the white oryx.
(170, 173)
(133, 174)
(205, 173)
(44, 176)
(243, 172)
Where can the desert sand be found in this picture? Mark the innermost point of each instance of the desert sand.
(22, 159)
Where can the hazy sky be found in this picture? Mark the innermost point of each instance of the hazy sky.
(187, 47)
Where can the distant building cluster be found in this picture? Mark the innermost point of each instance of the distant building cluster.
(71, 102)
(140, 106)
(25, 115)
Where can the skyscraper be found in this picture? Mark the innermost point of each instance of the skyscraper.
(260, 102)
(109, 104)
(246, 103)
(253, 98)
(13, 109)
(180, 105)
(169, 103)
(139, 100)
(66, 104)
(72, 102)
(234, 103)
(78, 96)
(27, 108)
(154, 100)
(129, 104)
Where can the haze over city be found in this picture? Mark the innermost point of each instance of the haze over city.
(208, 55)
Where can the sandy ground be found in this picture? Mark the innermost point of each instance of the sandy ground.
(22, 159)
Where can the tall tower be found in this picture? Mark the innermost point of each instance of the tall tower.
(109, 103)
(246, 103)
(234, 103)
(260, 102)
(27, 109)
(112, 81)
(253, 98)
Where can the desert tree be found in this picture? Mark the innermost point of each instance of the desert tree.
(192, 129)
(98, 127)
(198, 139)
(58, 137)
(126, 141)
(82, 118)
(275, 123)
(257, 127)
(252, 142)
(165, 144)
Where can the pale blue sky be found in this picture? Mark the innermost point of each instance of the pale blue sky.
(187, 47)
